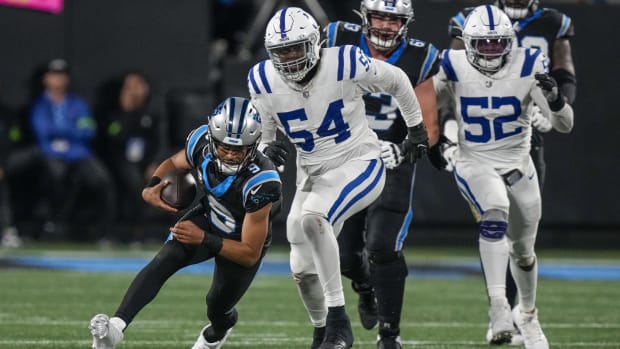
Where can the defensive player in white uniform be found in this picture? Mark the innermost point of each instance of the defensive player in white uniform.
(314, 96)
(492, 85)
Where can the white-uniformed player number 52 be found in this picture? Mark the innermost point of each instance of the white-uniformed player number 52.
(333, 124)
(481, 129)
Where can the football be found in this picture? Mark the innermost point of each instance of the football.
(181, 191)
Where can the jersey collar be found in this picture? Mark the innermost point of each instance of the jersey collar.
(219, 189)
(393, 57)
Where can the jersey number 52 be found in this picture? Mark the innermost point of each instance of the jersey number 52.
(489, 129)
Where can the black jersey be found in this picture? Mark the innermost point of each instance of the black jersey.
(228, 198)
(419, 60)
(540, 30)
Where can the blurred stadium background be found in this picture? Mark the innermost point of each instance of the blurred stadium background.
(49, 290)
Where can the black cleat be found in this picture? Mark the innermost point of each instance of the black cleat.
(366, 305)
(338, 333)
(317, 337)
(389, 342)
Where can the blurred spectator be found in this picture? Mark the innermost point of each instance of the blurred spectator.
(80, 185)
(130, 143)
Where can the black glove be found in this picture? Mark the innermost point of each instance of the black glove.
(277, 152)
(436, 153)
(416, 144)
(551, 91)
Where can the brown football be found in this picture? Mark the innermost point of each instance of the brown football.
(181, 191)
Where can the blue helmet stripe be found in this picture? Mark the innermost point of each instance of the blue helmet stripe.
(244, 109)
(283, 23)
(231, 117)
(491, 20)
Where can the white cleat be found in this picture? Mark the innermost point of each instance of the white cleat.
(201, 342)
(528, 324)
(516, 340)
(106, 335)
(500, 317)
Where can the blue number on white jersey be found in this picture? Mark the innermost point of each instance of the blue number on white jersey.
(333, 124)
(487, 133)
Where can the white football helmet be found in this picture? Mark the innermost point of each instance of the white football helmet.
(292, 40)
(380, 38)
(488, 37)
(234, 123)
(518, 9)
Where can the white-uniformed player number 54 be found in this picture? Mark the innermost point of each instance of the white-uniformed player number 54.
(333, 124)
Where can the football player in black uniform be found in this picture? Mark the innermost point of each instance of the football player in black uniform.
(550, 31)
(232, 223)
(371, 241)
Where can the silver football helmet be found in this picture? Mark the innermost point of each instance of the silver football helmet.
(518, 9)
(380, 38)
(292, 40)
(234, 124)
(488, 37)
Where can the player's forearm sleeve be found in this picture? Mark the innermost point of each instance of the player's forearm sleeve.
(398, 85)
(562, 120)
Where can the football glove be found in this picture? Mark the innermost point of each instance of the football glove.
(277, 152)
(539, 121)
(550, 90)
(441, 155)
(415, 145)
(391, 154)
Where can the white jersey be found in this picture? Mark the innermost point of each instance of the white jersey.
(493, 111)
(326, 118)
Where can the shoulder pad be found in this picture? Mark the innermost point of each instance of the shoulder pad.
(352, 27)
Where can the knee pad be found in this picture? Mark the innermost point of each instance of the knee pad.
(493, 224)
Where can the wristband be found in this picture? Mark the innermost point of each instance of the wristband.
(212, 242)
(558, 103)
(153, 182)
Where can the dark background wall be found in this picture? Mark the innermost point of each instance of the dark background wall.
(169, 40)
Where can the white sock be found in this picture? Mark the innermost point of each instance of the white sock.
(494, 257)
(527, 282)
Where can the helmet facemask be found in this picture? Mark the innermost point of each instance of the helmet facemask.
(488, 53)
(518, 9)
(293, 60)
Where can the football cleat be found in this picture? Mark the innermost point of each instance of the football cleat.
(389, 342)
(106, 334)
(338, 334)
(317, 337)
(528, 324)
(501, 321)
(201, 342)
(366, 305)
(516, 340)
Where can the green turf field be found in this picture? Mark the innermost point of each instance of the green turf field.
(51, 309)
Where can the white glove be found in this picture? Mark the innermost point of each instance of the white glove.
(448, 154)
(539, 121)
(391, 154)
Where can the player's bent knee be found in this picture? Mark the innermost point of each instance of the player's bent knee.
(387, 266)
(494, 224)
(385, 257)
(526, 263)
(312, 224)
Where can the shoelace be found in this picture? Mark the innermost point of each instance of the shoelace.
(99, 328)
